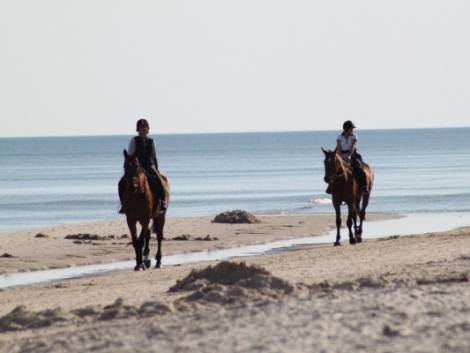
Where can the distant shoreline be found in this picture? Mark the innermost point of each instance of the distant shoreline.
(230, 132)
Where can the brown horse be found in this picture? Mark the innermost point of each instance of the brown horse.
(345, 188)
(141, 206)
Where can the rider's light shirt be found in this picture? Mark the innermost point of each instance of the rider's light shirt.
(346, 142)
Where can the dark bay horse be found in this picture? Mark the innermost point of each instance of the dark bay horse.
(345, 188)
(141, 207)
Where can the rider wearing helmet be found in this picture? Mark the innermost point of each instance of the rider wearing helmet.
(346, 147)
(143, 147)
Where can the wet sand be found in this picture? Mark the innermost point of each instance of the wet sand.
(396, 294)
(109, 241)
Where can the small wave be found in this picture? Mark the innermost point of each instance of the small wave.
(321, 201)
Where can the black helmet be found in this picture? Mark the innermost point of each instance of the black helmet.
(142, 123)
(348, 125)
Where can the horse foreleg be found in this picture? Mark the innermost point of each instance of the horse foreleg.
(338, 223)
(351, 218)
(147, 262)
(159, 224)
(144, 238)
(135, 243)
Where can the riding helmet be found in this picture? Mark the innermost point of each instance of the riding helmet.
(348, 125)
(142, 123)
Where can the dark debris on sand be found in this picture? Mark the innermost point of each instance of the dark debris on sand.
(7, 255)
(235, 217)
(41, 235)
(86, 236)
(187, 237)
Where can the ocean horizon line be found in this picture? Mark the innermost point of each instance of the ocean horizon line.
(234, 132)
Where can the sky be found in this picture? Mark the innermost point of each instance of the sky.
(94, 67)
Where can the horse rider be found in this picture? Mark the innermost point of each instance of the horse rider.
(346, 147)
(143, 147)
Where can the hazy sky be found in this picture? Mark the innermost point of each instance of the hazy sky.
(95, 66)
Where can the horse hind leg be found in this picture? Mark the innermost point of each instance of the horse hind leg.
(357, 230)
(158, 225)
(136, 243)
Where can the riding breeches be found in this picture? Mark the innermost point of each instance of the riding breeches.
(357, 165)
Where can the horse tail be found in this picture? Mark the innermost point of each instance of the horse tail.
(166, 185)
(369, 176)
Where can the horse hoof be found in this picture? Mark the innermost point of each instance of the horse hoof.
(336, 244)
(352, 241)
(359, 239)
(158, 265)
(139, 267)
(147, 263)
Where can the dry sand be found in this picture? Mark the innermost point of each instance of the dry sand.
(408, 294)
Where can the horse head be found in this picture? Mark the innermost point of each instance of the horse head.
(334, 166)
(132, 171)
(330, 165)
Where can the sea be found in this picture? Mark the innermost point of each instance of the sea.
(54, 180)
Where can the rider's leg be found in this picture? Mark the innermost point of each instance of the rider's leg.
(358, 169)
(157, 187)
(121, 187)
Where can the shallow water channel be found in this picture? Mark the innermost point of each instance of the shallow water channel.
(408, 225)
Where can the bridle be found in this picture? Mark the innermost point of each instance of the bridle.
(132, 173)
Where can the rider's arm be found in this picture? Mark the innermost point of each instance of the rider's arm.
(338, 147)
(131, 148)
(353, 148)
(154, 155)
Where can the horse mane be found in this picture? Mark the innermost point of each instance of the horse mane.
(345, 169)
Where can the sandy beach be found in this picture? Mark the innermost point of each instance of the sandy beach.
(395, 294)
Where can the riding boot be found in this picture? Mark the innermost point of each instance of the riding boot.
(121, 187)
(328, 189)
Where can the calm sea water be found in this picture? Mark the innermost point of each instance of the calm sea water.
(46, 181)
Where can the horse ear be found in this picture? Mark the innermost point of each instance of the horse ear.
(324, 152)
(124, 152)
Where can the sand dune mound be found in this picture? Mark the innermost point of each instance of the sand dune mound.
(230, 282)
(235, 216)
(21, 319)
(118, 310)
